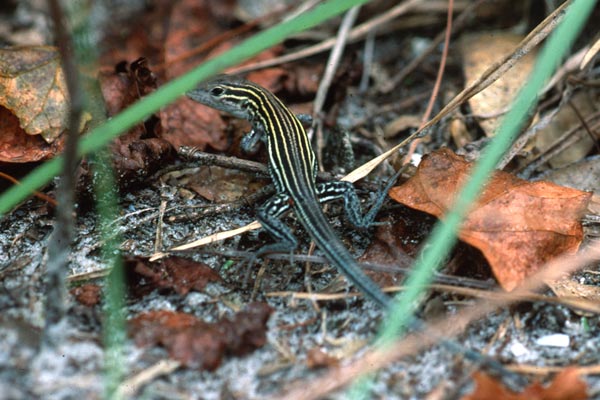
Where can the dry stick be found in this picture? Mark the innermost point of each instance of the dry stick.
(330, 68)
(525, 138)
(559, 145)
(202, 158)
(460, 21)
(158, 239)
(368, 54)
(307, 5)
(438, 82)
(441, 69)
(578, 304)
(131, 386)
(39, 195)
(583, 123)
(446, 327)
(60, 241)
(354, 35)
(590, 54)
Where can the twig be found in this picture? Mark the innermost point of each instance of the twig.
(37, 194)
(334, 59)
(330, 68)
(158, 239)
(368, 54)
(132, 385)
(560, 144)
(202, 158)
(357, 33)
(547, 370)
(460, 21)
(438, 82)
(583, 123)
(574, 303)
(60, 241)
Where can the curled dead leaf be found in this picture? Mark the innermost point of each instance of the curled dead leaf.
(177, 273)
(517, 225)
(33, 92)
(199, 344)
(34, 89)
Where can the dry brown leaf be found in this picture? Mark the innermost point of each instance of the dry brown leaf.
(186, 123)
(33, 88)
(142, 150)
(582, 175)
(179, 274)
(199, 344)
(517, 225)
(565, 386)
(16, 146)
(566, 119)
(89, 294)
(479, 52)
(221, 185)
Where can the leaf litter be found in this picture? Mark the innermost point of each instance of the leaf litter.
(215, 307)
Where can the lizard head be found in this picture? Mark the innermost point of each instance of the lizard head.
(227, 93)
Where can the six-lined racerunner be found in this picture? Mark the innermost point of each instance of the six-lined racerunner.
(293, 169)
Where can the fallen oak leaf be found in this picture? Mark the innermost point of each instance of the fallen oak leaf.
(89, 294)
(177, 273)
(566, 385)
(198, 344)
(34, 89)
(16, 146)
(33, 104)
(141, 151)
(517, 225)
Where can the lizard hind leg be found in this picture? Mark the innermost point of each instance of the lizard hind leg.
(268, 215)
(335, 190)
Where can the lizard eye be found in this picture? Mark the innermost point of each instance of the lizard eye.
(216, 91)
